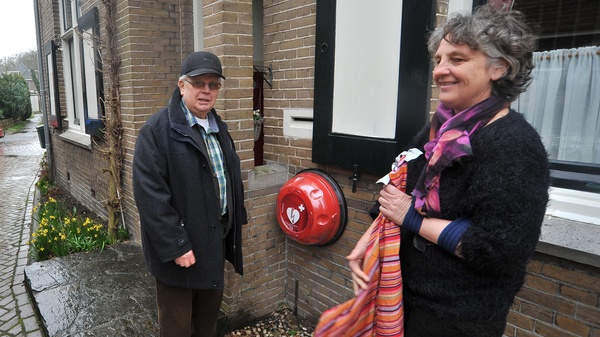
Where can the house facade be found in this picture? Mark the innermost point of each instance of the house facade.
(333, 93)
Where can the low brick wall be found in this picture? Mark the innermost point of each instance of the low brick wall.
(560, 298)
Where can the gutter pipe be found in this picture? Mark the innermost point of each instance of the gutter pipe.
(49, 159)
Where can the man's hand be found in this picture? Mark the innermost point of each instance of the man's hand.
(186, 260)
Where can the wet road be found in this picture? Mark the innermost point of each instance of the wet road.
(20, 156)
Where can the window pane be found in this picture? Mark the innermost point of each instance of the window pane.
(89, 68)
(364, 101)
(51, 84)
(78, 8)
(67, 15)
(564, 24)
(77, 104)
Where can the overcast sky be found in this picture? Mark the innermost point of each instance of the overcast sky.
(17, 27)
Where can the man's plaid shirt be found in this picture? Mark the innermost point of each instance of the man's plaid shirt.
(214, 151)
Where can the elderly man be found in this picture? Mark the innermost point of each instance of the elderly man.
(188, 190)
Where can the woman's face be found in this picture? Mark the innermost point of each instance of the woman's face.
(463, 75)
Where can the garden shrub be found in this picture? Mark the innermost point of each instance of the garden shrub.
(15, 99)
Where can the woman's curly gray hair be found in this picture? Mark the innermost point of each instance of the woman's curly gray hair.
(503, 37)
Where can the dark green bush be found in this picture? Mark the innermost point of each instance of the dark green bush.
(14, 97)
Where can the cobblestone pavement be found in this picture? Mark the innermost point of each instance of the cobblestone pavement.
(20, 156)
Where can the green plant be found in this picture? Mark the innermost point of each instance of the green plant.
(62, 232)
(44, 184)
(256, 116)
(18, 126)
(14, 97)
(122, 234)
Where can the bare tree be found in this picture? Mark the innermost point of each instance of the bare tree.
(11, 63)
(113, 133)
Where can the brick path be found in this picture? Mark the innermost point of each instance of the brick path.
(20, 156)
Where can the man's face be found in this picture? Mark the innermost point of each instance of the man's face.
(200, 93)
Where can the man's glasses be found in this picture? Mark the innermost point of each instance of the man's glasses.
(201, 84)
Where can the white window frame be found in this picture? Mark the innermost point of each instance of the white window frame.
(460, 6)
(80, 74)
(341, 143)
(54, 117)
(574, 205)
(198, 13)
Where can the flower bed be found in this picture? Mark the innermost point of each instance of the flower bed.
(63, 226)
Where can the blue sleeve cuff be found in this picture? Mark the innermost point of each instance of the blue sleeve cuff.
(413, 219)
(452, 234)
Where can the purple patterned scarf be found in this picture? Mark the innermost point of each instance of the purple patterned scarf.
(449, 142)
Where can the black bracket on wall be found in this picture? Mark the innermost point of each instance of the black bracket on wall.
(268, 71)
(355, 176)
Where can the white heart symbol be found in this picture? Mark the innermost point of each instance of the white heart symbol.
(293, 215)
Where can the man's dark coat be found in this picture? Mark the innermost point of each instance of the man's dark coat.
(177, 197)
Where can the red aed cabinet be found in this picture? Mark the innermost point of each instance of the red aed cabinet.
(311, 208)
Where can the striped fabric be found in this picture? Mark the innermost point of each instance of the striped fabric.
(377, 310)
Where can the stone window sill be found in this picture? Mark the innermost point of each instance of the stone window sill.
(79, 139)
(570, 240)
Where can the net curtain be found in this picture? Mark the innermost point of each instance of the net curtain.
(563, 103)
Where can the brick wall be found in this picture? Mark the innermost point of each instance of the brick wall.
(559, 299)
(228, 33)
(289, 46)
(84, 179)
(153, 39)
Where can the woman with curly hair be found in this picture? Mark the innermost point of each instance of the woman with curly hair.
(476, 197)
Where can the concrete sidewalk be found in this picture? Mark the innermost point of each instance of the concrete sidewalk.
(106, 293)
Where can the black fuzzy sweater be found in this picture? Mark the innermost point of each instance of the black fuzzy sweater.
(503, 190)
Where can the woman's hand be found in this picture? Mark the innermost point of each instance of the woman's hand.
(356, 260)
(394, 203)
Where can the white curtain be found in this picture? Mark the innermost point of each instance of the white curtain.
(563, 103)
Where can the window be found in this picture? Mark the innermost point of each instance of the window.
(565, 25)
(55, 119)
(372, 75)
(82, 69)
(567, 55)
(562, 102)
